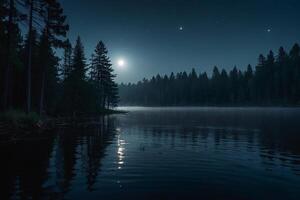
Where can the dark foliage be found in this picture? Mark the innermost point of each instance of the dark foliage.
(102, 77)
(31, 75)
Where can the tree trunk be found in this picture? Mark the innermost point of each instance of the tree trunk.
(44, 71)
(7, 81)
(42, 92)
(29, 61)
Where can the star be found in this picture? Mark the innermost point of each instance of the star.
(269, 30)
(181, 28)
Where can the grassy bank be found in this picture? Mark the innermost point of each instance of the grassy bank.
(20, 120)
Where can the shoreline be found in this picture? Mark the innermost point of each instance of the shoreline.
(17, 125)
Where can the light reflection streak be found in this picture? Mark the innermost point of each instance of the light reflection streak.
(121, 150)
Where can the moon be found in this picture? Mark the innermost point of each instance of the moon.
(121, 64)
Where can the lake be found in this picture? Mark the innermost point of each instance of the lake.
(161, 153)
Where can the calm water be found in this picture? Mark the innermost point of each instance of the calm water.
(161, 153)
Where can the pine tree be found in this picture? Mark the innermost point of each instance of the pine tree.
(9, 49)
(113, 95)
(260, 79)
(224, 87)
(56, 25)
(172, 90)
(215, 84)
(55, 28)
(29, 58)
(269, 74)
(10, 40)
(193, 81)
(234, 85)
(34, 7)
(249, 85)
(67, 61)
(295, 70)
(99, 73)
(35, 71)
(103, 78)
(283, 77)
(48, 64)
(75, 86)
(204, 89)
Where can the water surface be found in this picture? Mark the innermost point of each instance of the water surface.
(161, 153)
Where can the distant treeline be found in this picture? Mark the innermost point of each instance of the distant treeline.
(275, 81)
(33, 78)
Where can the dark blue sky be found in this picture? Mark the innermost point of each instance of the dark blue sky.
(147, 35)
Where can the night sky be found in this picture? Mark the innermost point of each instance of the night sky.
(161, 36)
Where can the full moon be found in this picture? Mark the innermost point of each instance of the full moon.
(121, 64)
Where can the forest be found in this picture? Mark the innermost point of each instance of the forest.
(275, 81)
(34, 77)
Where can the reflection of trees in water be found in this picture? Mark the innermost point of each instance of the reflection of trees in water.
(65, 158)
(23, 168)
(46, 168)
(273, 132)
(85, 146)
(96, 142)
(280, 143)
(277, 143)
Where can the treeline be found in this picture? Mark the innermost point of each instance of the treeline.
(34, 78)
(275, 81)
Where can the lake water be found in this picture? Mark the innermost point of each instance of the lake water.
(161, 153)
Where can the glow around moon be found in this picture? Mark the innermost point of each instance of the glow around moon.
(121, 64)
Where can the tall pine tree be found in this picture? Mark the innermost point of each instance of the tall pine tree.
(103, 78)
(75, 86)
